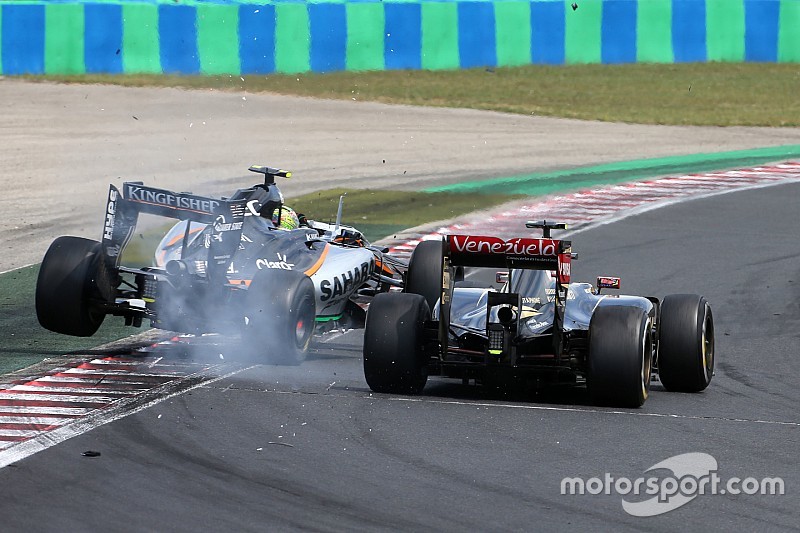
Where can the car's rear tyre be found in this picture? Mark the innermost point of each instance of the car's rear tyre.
(394, 354)
(686, 343)
(279, 316)
(424, 276)
(620, 356)
(70, 277)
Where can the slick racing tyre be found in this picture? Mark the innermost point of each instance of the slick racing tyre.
(424, 276)
(70, 277)
(620, 356)
(279, 316)
(394, 355)
(686, 343)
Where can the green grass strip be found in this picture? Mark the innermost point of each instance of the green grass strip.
(440, 36)
(365, 23)
(140, 46)
(654, 31)
(378, 213)
(218, 39)
(583, 32)
(292, 38)
(513, 33)
(63, 39)
(725, 30)
(577, 178)
(789, 32)
(25, 342)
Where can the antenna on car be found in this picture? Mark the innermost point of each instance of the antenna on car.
(339, 215)
(270, 173)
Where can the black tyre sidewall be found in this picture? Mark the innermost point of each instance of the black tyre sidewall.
(68, 278)
(680, 354)
(394, 358)
(619, 356)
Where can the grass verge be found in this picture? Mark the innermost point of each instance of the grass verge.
(25, 342)
(379, 213)
(713, 94)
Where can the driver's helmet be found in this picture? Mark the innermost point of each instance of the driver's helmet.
(284, 217)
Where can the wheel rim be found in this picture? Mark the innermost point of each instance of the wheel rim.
(647, 350)
(300, 331)
(707, 345)
(304, 324)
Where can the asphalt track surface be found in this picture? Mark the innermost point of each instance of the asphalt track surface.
(452, 460)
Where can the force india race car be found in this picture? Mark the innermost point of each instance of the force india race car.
(224, 268)
(538, 326)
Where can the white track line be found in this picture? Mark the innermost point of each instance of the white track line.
(588, 410)
(18, 268)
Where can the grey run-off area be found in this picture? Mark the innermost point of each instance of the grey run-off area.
(62, 145)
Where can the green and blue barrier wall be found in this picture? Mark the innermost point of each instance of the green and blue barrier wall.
(226, 37)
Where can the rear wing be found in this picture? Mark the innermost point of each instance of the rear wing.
(521, 253)
(122, 213)
(517, 253)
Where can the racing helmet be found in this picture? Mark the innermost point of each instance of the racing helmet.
(284, 217)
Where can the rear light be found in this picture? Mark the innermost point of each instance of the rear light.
(497, 336)
(147, 287)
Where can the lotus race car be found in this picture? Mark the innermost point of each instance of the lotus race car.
(538, 326)
(223, 268)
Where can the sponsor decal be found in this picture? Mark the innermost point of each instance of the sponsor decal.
(111, 212)
(280, 263)
(345, 283)
(220, 225)
(551, 294)
(570, 294)
(564, 268)
(253, 208)
(212, 237)
(533, 324)
(146, 195)
(526, 300)
(113, 251)
(468, 244)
